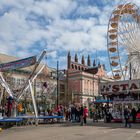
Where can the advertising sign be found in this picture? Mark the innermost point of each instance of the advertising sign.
(18, 64)
(120, 87)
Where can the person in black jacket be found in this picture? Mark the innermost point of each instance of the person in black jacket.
(127, 117)
(134, 114)
(81, 114)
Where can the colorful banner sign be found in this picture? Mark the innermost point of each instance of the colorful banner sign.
(18, 64)
(120, 87)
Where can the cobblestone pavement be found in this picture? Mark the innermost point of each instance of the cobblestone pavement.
(68, 131)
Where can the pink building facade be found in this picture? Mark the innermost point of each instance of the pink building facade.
(83, 79)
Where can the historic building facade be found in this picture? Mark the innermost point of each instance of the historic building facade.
(83, 79)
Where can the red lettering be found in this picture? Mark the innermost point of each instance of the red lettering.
(124, 86)
(115, 88)
(133, 86)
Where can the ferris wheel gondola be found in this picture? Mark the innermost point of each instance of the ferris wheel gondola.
(123, 41)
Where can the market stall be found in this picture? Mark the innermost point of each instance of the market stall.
(122, 94)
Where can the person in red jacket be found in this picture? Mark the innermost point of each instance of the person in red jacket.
(85, 114)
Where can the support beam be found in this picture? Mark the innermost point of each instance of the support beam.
(31, 82)
(34, 102)
(33, 73)
(6, 86)
(1, 96)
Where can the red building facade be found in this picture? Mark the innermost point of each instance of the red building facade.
(83, 79)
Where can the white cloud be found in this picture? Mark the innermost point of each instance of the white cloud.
(84, 10)
(52, 54)
(29, 26)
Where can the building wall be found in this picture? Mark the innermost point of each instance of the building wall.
(82, 86)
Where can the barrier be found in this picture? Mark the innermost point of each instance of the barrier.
(31, 119)
(50, 117)
(26, 120)
(11, 120)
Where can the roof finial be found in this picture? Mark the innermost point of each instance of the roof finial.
(88, 61)
(83, 60)
(69, 60)
(94, 63)
(76, 58)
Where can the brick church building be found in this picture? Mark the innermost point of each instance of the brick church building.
(83, 79)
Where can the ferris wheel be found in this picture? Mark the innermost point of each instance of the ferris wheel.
(123, 41)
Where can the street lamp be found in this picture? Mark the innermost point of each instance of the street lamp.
(59, 76)
(57, 83)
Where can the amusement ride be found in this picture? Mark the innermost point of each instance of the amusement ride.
(123, 41)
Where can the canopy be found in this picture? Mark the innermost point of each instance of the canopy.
(102, 101)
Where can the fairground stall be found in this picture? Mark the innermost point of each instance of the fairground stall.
(122, 94)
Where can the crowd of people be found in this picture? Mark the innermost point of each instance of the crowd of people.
(78, 113)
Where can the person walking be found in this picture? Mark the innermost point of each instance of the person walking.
(85, 115)
(81, 111)
(73, 110)
(134, 114)
(127, 117)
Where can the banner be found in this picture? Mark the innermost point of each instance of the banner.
(120, 87)
(18, 64)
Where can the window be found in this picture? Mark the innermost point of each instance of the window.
(79, 68)
(62, 88)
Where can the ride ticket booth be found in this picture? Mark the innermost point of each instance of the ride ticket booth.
(122, 94)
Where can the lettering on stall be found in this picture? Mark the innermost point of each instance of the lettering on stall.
(122, 87)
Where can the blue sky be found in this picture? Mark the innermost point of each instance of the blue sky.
(59, 26)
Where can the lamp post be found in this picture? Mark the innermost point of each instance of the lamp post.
(57, 101)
